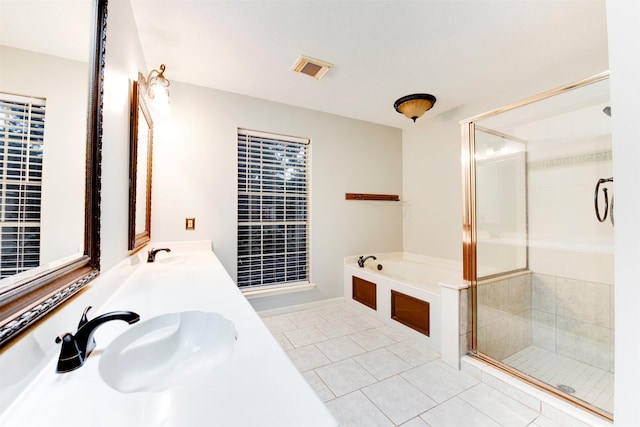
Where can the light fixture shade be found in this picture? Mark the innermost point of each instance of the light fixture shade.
(414, 106)
(158, 92)
(156, 88)
(158, 84)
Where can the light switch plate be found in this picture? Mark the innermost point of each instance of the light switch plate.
(190, 224)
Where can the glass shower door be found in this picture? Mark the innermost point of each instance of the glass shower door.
(542, 232)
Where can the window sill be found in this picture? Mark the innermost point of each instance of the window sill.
(268, 291)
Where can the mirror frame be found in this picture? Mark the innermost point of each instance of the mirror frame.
(138, 104)
(32, 299)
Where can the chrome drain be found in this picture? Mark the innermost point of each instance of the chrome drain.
(566, 389)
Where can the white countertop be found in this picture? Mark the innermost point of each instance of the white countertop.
(257, 386)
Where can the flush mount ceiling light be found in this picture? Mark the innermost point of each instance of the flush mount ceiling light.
(156, 86)
(414, 106)
(311, 67)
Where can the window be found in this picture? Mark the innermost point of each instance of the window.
(21, 142)
(273, 217)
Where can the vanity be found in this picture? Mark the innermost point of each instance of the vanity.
(255, 384)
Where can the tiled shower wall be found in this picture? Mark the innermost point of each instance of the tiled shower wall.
(574, 318)
(504, 315)
(570, 252)
(566, 316)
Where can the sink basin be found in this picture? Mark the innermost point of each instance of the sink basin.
(172, 260)
(167, 351)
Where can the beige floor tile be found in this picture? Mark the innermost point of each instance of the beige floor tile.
(306, 358)
(345, 376)
(381, 363)
(371, 339)
(283, 341)
(457, 413)
(321, 389)
(362, 322)
(404, 369)
(355, 410)
(416, 422)
(439, 381)
(340, 348)
(334, 313)
(398, 399)
(280, 323)
(396, 334)
(335, 329)
(543, 421)
(305, 318)
(413, 351)
(304, 336)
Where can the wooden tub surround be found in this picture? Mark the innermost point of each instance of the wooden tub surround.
(423, 296)
(410, 311)
(364, 292)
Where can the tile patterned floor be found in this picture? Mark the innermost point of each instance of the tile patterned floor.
(591, 384)
(370, 374)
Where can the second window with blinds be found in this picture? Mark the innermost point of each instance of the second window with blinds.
(273, 210)
(21, 156)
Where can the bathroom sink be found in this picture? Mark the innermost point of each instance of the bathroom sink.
(172, 259)
(167, 351)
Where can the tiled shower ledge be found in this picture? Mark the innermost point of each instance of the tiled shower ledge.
(562, 412)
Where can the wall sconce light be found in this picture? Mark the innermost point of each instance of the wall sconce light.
(156, 86)
(414, 106)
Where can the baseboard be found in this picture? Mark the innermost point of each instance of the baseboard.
(298, 307)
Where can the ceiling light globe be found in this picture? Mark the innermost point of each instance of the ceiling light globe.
(414, 106)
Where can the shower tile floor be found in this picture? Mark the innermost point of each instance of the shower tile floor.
(370, 374)
(591, 384)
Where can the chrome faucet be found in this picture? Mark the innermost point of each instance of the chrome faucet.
(151, 255)
(76, 348)
(362, 259)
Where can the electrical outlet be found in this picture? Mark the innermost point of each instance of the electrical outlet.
(190, 224)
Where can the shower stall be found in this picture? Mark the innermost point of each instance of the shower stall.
(538, 241)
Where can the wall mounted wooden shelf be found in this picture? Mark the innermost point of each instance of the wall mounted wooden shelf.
(381, 197)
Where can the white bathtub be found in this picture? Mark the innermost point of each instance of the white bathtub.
(418, 275)
(437, 282)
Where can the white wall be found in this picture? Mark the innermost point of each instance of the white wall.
(195, 175)
(432, 180)
(124, 60)
(64, 85)
(624, 46)
(566, 239)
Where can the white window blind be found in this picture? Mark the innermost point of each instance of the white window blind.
(21, 142)
(273, 217)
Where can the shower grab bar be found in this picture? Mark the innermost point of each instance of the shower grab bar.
(607, 209)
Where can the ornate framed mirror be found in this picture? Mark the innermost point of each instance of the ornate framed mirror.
(54, 211)
(140, 168)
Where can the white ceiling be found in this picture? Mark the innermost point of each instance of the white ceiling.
(459, 51)
(54, 27)
(381, 50)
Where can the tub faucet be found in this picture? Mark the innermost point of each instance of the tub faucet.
(151, 255)
(362, 259)
(76, 348)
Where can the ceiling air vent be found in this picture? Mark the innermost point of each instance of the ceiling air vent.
(311, 67)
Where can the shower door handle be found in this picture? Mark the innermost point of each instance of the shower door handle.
(606, 200)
